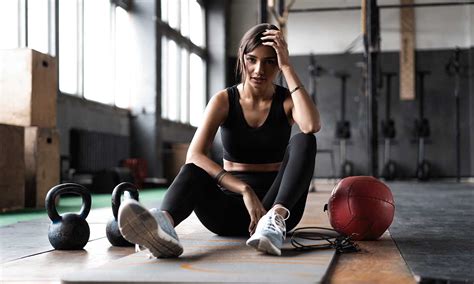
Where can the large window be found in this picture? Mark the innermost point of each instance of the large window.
(10, 24)
(183, 93)
(40, 25)
(27, 23)
(69, 39)
(94, 42)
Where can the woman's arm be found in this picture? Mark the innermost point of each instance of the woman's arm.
(216, 113)
(304, 112)
(214, 116)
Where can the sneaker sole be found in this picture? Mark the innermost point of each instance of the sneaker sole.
(263, 244)
(138, 226)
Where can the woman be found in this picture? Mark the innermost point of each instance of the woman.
(265, 174)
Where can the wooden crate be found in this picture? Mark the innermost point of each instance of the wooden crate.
(28, 88)
(41, 164)
(12, 167)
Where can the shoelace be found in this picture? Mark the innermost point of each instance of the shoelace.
(278, 222)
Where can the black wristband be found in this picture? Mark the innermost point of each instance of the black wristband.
(296, 89)
(220, 176)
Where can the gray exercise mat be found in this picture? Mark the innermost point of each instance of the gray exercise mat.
(433, 229)
(209, 258)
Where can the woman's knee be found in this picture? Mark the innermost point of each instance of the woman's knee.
(304, 142)
(192, 174)
(193, 170)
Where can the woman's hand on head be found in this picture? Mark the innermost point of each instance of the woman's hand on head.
(254, 208)
(275, 39)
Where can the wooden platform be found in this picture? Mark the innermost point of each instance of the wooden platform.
(379, 261)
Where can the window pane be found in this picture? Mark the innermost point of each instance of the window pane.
(184, 113)
(164, 77)
(38, 27)
(196, 17)
(123, 66)
(97, 51)
(173, 80)
(68, 47)
(185, 18)
(164, 10)
(197, 85)
(10, 24)
(173, 14)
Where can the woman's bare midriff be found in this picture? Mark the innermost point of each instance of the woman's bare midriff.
(268, 167)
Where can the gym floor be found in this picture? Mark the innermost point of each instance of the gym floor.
(428, 242)
(105, 91)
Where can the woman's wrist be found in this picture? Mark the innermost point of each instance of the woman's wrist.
(298, 87)
(245, 189)
(218, 178)
(291, 77)
(285, 68)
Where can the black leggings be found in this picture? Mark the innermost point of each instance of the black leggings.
(223, 212)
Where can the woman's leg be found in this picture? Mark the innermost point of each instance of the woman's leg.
(286, 195)
(194, 189)
(291, 185)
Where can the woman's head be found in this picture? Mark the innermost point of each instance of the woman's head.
(249, 42)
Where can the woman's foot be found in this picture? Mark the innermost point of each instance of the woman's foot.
(150, 229)
(270, 233)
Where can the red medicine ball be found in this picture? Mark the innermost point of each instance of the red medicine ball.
(361, 207)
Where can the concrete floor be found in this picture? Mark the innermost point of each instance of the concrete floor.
(433, 229)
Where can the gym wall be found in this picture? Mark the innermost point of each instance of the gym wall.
(333, 38)
(74, 112)
(439, 109)
(148, 132)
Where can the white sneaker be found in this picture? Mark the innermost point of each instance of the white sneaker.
(150, 229)
(270, 233)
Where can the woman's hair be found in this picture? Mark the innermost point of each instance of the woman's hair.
(250, 41)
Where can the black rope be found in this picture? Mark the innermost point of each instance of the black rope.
(323, 240)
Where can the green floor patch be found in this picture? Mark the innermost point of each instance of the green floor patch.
(73, 204)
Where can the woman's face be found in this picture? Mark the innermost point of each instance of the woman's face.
(261, 66)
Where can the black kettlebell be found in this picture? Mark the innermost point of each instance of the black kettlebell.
(112, 230)
(69, 231)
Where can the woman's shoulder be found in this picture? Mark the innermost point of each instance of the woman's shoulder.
(221, 97)
(228, 94)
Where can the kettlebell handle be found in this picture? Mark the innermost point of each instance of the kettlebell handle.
(117, 194)
(67, 188)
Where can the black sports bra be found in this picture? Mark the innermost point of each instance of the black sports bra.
(264, 144)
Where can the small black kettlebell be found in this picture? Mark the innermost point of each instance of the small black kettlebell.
(112, 230)
(70, 231)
